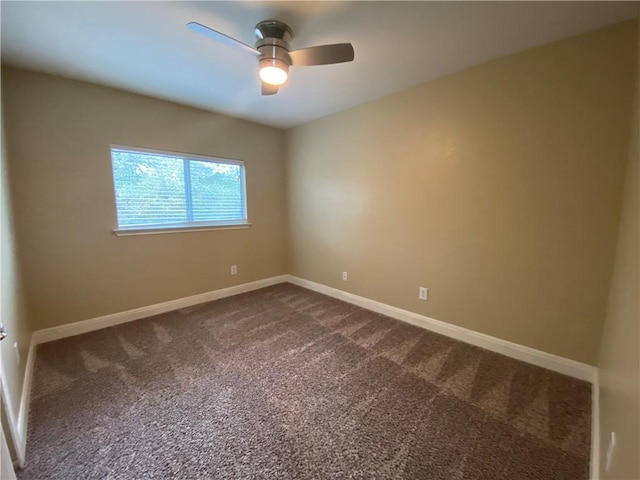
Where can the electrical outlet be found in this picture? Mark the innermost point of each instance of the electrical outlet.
(17, 350)
(345, 276)
(422, 293)
(234, 269)
(610, 450)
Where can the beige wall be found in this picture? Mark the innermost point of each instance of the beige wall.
(74, 267)
(620, 350)
(498, 188)
(12, 305)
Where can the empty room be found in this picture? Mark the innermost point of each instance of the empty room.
(320, 240)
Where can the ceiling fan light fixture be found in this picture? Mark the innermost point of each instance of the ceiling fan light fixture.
(274, 52)
(273, 71)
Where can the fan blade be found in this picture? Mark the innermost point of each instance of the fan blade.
(269, 89)
(322, 55)
(221, 37)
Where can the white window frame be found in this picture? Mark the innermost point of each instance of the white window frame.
(182, 226)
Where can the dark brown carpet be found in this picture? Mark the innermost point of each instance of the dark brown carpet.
(287, 383)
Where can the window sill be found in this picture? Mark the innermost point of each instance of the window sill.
(124, 232)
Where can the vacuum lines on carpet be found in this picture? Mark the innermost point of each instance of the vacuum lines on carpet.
(286, 383)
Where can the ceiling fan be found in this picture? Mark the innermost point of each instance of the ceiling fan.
(274, 53)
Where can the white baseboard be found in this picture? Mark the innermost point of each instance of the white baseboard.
(84, 326)
(19, 425)
(556, 363)
(574, 369)
(595, 428)
(530, 355)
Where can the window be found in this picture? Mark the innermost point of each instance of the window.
(158, 190)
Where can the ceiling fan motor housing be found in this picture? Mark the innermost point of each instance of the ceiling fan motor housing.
(273, 43)
(273, 29)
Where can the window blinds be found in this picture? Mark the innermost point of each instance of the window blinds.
(161, 189)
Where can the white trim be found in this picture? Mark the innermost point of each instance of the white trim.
(25, 398)
(19, 426)
(185, 227)
(84, 326)
(179, 155)
(536, 357)
(16, 435)
(7, 470)
(595, 428)
(530, 355)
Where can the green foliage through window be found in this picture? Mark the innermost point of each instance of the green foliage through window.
(162, 189)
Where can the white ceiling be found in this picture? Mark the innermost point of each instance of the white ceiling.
(145, 47)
